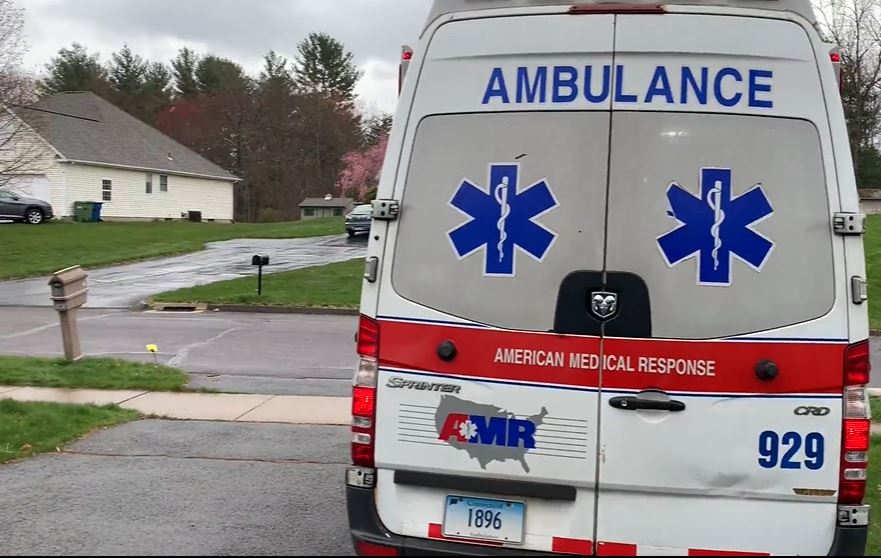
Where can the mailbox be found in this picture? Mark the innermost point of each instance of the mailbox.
(69, 288)
(260, 260)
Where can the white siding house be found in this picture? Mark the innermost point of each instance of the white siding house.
(79, 147)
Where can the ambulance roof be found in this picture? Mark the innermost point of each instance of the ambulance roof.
(442, 7)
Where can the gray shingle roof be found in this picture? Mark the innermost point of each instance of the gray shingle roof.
(324, 202)
(107, 134)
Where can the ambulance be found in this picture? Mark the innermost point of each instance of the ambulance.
(614, 300)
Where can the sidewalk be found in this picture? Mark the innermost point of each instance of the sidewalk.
(285, 409)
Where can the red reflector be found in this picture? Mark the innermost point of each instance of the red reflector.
(563, 545)
(856, 435)
(857, 364)
(363, 401)
(851, 492)
(368, 337)
(407, 55)
(365, 548)
(362, 455)
(612, 8)
(835, 57)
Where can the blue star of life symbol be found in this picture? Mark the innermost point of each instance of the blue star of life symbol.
(716, 227)
(502, 219)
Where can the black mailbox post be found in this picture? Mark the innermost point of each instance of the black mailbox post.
(260, 260)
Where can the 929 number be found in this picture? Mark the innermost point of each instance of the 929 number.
(484, 519)
(790, 443)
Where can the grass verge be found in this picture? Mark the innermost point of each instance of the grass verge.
(336, 285)
(872, 248)
(39, 250)
(92, 373)
(873, 497)
(27, 429)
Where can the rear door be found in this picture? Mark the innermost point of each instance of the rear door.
(722, 259)
(503, 198)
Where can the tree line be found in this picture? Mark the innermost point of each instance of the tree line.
(288, 133)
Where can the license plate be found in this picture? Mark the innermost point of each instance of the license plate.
(484, 519)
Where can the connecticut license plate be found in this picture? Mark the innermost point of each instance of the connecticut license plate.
(484, 519)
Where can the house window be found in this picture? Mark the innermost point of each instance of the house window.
(163, 183)
(337, 211)
(308, 211)
(149, 188)
(106, 188)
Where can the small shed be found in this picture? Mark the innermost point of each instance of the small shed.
(328, 206)
(870, 200)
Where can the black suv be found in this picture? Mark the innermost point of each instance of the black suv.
(29, 210)
(358, 221)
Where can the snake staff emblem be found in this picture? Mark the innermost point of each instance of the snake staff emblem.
(714, 200)
(501, 195)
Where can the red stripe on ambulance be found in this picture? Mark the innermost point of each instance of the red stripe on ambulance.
(563, 545)
(567, 360)
(626, 549)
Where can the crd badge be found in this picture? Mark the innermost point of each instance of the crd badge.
(814, 411)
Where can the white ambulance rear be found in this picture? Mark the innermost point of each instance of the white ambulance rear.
(614, 301)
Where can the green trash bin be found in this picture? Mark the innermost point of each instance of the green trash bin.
(83, 211)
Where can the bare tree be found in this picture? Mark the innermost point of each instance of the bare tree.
(855, 26)
(21, 151)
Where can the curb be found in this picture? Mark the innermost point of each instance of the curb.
(283, 310)
(255, 309)
(179, 307)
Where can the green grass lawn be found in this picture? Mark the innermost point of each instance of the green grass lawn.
(95, 373)
(335, 285)
(873, 497)
(30, 428)
(40, 250)
(872, 247)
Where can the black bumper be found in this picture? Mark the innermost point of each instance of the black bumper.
(365, 525)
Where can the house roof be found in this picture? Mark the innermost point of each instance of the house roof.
(326, 202)
(870, 193)
(85, 128)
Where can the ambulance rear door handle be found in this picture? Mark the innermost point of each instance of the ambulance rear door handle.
(637, 404)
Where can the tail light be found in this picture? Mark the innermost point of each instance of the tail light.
(616, 8)
(835, 58)
(364, 393)
(365, 548)
(856, 425)
(406, 56)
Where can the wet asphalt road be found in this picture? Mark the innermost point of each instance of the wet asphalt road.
(279, 354)
(127, 285)
(182, 488)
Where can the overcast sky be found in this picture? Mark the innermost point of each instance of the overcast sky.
(243, 30)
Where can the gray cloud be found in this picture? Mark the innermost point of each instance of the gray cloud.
(242, 30)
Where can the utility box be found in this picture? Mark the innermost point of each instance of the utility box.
(69, 289)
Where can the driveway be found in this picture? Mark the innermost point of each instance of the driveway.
(280, 354)
(182, 488)
(127, 285)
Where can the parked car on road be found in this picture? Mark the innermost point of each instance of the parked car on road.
(358, 221)
(18, 208)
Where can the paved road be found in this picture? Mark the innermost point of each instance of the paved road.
(127, 285)
(182, 488)
(283, 354)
